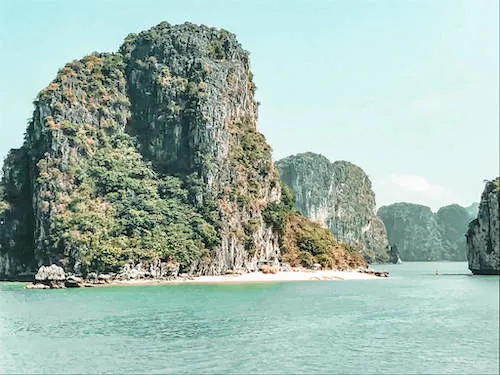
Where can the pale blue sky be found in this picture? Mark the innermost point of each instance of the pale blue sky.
(408, 90)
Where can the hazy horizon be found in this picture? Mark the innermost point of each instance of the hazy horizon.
(406, 90)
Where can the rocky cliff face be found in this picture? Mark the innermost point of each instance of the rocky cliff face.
(421, 235)
(150, 155)
(338, 196)
(483, 235)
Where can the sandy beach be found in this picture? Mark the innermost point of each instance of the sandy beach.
(258, 277)
(251, 277)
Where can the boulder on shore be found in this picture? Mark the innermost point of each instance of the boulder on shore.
(52, 276)
(50, 273)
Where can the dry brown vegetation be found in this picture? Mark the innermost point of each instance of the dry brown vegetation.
(306, 243)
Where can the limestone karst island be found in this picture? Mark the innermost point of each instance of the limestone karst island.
(148, 226)
(146, 163)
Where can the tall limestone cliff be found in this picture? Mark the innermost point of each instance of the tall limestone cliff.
(483, 236)
(421, 235)
(339, 196)
(150, 155)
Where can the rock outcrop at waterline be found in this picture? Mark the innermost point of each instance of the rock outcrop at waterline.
(339, 196)
(421, 235)
(143, 156)
(394, 257)
(483, 236)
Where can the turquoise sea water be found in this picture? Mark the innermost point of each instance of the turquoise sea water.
(414, 322)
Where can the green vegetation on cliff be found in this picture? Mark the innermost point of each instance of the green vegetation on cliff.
(121, 210)
(105, 204)
(306, 243)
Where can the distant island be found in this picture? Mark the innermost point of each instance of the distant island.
(421, 235)
(146, 163)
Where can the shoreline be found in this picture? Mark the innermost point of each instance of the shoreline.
(63, 281)
(253, 277)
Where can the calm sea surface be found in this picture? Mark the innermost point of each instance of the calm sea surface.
(414, 322)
